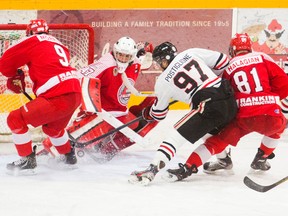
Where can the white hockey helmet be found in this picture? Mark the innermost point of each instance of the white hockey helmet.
(124, 51)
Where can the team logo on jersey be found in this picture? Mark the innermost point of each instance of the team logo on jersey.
(277, 111)
(257, 100)
(124, 93)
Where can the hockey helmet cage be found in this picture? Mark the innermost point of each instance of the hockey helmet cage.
(37, 26)
(125, 45)
(124, 51)
(166, 51)
(240, 42)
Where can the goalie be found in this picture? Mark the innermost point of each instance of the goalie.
(115, 73)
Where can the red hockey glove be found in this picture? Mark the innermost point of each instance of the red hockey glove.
(16, 83)
(146, 114)
(143, 48)
(137, 109)
(148, 47)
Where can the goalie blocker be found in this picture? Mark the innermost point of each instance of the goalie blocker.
(88, 125)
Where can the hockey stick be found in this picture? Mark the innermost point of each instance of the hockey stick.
(261, 188)
(133, 134)
(26, 95)
(84, 144)
(131, 88)
(21, 72)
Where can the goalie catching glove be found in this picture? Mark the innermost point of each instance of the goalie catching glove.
(16, 83)
(143, 48)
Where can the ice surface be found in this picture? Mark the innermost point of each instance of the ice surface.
(103, 189)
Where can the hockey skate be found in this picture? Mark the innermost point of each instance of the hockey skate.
(66, 161)
(146, 176)
(23, 166)
(222, 164)
(260, 163)
(70, 158)
(180, 173)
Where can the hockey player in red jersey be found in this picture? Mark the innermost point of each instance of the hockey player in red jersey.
(191, 76)
(259, 83)
(57, 90)
(224, 161)
(113, 69)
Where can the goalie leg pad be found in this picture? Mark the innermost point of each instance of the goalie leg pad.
(147, 127)
(90, 131)
(91, 100)
(127, 118)
(117, 143)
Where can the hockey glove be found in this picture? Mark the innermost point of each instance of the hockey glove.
(137, 109)
(16, 83)
(143, 48)
(146, 114)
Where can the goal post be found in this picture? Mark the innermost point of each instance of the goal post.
(79, 38)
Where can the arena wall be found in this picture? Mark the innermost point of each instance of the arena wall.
(203, 27)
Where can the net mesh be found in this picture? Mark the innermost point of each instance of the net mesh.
(78, 38)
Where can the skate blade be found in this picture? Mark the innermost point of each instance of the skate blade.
(256, 172)
(168, 177)
(19, 172)
(222, 172)
(133, 179)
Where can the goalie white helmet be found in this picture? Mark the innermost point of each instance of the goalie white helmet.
(124, 51)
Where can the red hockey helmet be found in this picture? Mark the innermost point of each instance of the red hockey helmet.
(240, 42)
(37, 26)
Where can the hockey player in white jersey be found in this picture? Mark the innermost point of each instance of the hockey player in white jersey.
(191, 76)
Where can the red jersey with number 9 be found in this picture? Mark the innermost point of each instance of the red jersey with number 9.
(48, 61)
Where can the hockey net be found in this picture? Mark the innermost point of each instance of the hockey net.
(79, 38)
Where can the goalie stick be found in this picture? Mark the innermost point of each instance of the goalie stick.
(261, 188)
(84, 144)
(131, 88)
(119, 128)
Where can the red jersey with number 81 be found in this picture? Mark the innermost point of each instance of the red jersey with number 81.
(259, 83)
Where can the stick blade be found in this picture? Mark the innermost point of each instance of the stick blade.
(254, 186)
(261, 188)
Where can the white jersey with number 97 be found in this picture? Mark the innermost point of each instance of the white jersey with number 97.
(190, 71)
